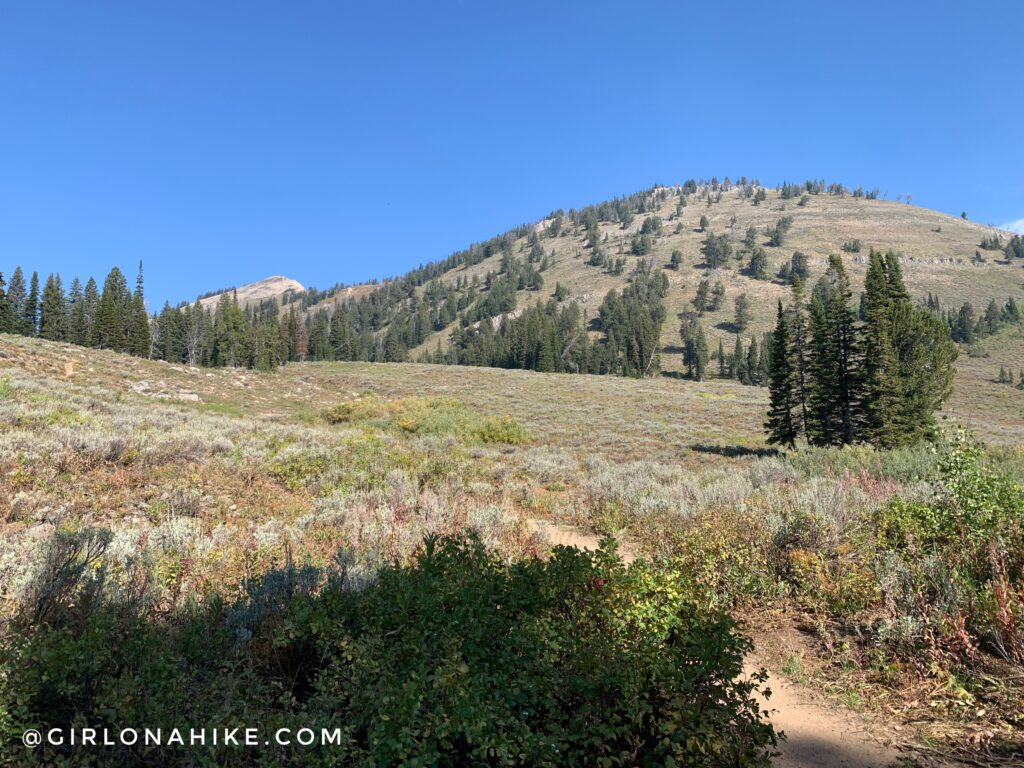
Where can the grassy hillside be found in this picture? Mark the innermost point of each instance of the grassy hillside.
(937, 254)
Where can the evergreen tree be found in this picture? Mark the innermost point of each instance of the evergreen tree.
(738, 366)
(6, 315)
(169, 343)
(110, 330)
(90, 309)
(909, 357)
(799, 266)
(784, 422)
(764, 364)
(836, 387)
(53, 318)
(882, 398)
(695, 350)
(742, 317)
(716, 250)
(753, 360)
(750, 239)
(717, 296)
(30, 319)
(77, 333)
(757, 268)
(723, 365)
(16, 298)
(702, 298)
(138, 331)
(799, 347)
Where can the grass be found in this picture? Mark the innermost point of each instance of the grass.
(937, 250)
(360, 462)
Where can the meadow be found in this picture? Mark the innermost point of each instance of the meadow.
(158, 509)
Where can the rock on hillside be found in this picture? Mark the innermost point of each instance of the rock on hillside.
(261, 290)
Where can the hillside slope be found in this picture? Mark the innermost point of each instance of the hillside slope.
(937, 255)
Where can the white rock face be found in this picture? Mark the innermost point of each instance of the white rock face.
(268, 288)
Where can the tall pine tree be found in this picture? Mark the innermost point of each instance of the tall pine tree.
(110, 328)
(835, 386)
(16, 297)
(30, 317)
(53, 316)
(138, 332)
(784, 422)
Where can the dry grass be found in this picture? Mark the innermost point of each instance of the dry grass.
(213, 477)
(937, 251)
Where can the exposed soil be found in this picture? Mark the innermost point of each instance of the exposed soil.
(817, 734)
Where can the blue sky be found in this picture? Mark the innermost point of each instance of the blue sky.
(221, 142)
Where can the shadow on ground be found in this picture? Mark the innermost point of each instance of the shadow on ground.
(732, 451)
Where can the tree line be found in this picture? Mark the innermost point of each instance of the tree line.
(112, 318)
(555, 336)
(842, 374)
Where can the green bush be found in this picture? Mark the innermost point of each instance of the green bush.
(436, 416)
(727, 560)
(458, 659)
(953, 568)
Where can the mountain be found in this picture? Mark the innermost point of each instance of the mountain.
(252, 293)
(941, 255)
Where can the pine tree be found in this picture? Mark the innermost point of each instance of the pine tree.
(695, 350)
(6, 315)
(835, 392)
(753, 355)
(138, 340)
(723, 365)
(170, 335)
(53, 318)
(883, 398)
(908, 368)
(742, 317)
(111, 323)
(702, 297)
(76, 314)
(90, 309)
(757, 268)
(16, 298)
(716, 250)
(784, 422)
(30, 318)
(764, 360)
(717, 296)
(738, 366)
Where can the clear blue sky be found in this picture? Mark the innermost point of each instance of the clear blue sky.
(222, 142)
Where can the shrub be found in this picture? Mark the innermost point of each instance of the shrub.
(959, 558)
(726, 559)
(459, 658)
(427, 416)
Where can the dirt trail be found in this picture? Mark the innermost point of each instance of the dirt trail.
(817, 735)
